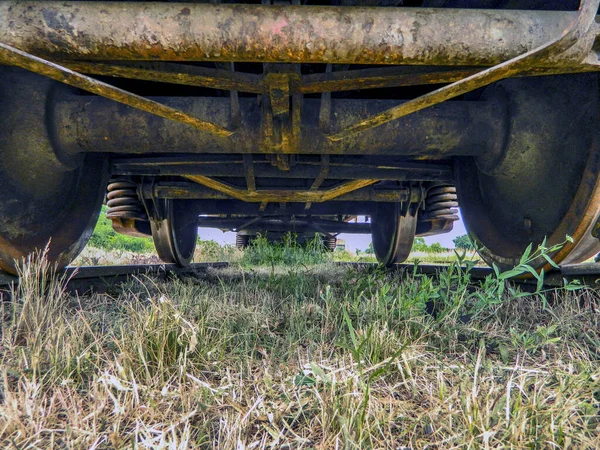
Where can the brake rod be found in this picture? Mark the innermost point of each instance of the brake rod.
(16, 57)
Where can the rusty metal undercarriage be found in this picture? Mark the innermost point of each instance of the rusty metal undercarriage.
(291, 116)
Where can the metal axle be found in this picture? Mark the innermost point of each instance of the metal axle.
(93, 124)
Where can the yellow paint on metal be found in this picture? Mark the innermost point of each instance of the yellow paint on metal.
(271, 195)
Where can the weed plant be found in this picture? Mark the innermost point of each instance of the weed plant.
(300, 356)
(286, 252)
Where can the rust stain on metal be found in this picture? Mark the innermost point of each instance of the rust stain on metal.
(32, 63)
(283, 196)
(173, 73)
(269, 33)
(376, 78)
(568, 38)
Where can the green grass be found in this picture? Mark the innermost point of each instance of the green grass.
(288, 252)
(299, 356)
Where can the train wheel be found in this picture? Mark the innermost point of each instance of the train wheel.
(175, 233)
(60, 213)
(46, 198)
(543, 182)
(393, 232)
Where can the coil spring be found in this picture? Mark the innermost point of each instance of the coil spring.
(241, 241)
(123, 201)
(330, 243)
(441, 203)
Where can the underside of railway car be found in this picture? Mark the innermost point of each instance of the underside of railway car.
(300, 115)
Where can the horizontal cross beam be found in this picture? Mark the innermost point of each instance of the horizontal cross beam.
(264, 33)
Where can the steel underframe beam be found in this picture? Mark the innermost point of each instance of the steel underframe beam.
(281, 196)
(16, 57)
(226, 207)
(180, 165)
(535, 57)
(194, 191)
(93, 124)
(348, 80)
(579, 34)
(572, 46)
(298, 224)
(283, 34)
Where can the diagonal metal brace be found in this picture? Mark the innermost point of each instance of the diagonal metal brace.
(16, 57)
(577, 29)
(282, 196)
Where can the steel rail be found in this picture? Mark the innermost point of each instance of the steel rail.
(588, 274)
(98, 278)
(88, 279)
(153, 31)
(545, 52)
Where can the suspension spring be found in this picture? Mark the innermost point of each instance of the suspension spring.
(123, 201)
(330, 243)
(441, 203)
(242, 241)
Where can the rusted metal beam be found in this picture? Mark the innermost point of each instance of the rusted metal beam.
(319, 179)
(347, 80)
(282, 196)
(265, 33)
(572, 36)
(92, 124)
(249, 172)
(387, 77)
(13, 56)
(173, 73)
(297, 224)
(178, 165)
(188, 190)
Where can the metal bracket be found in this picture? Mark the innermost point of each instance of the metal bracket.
(282, 112)
(323, 173)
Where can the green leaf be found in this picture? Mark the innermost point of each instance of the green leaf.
(319, 372)
(496, 270)
(526, 254)
(304, 380)
(550, 261)
(574, 285)
(540, 282)
(511, 273)
(350, 329)
(504, 353)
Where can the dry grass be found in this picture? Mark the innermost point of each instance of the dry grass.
(299, 357)
(206, 251)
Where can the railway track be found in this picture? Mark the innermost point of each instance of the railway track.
(587, 274)
(98, 278)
